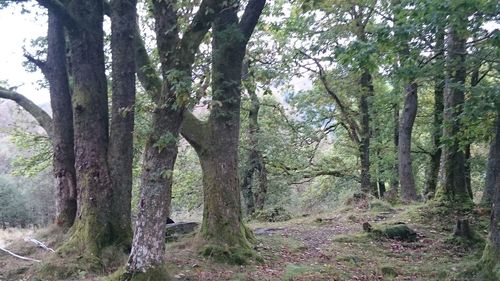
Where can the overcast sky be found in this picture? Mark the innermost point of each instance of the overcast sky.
(16, 31)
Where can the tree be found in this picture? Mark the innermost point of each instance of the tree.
(490, 260)
(59, 128)
(216, 140)
(170, 97)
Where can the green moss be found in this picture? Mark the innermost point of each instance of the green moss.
(388, 271)
(488, 266)
(230, 255)
(159, 273)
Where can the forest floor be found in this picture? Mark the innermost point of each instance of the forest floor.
(328, 246)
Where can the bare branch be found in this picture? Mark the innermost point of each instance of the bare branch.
(37, 112)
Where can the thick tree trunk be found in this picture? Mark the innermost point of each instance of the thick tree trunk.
(90, 108)
(454, 187)
(468, 177)
(366, 84)
(408, 190)
(261, 194)
(120, 154)
(489, 183)
(62, 116)
(491, 254)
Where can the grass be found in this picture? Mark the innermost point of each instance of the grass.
(327, 246)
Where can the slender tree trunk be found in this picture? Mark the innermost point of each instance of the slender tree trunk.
(468, 178)
(408, 190)
(454, 187)
(255, 160)
(491, 254)
(120, 155)
(395, 176)
(366, 84)
(432, 170)
(62, 124)
(489, 184)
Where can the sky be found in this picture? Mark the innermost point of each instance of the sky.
(16, 31)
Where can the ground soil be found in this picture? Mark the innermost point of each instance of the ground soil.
(329, 246)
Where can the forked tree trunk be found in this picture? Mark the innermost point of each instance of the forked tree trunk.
(408, 190)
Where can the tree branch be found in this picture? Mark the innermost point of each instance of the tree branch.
(37, 112)
(39, 63)
(250, 17)
(146, 72)
(194, 131)
(60, 11)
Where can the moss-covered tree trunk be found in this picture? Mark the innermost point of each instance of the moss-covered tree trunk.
(169, 95)
(454, 187)
(91, 231)
(120, 154)
(491, 255)
(223, 234)
(408, 189)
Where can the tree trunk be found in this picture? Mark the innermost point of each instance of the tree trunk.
(148, 247)
(454, 187)
(90, 107)
(468, 178)
(223, 235)
(489, 184)
(408, 190)
(62, 116)
(120, 154)
(366, 84)
(491, 254)
(395, 168)
(432, 170)
(176, 55)
(255, 160)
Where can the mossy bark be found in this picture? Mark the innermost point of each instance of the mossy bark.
(223, 235)
(491, 256)
(91, 231)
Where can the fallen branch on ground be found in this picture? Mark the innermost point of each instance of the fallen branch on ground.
(18, 256)
(40, 244)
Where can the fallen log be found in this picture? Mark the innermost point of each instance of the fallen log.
(40, 244)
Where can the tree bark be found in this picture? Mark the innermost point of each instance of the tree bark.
(491, 255)
(408, 190)
(432, 170)
(489, 184)
(366, 84)
(62, 115)
(90, 108)
(222, 229)
(454, 188)
(255, 163)
(177, 55)
(120, 154)
(395, 168)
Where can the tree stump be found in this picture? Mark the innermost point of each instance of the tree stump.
(462, 229)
